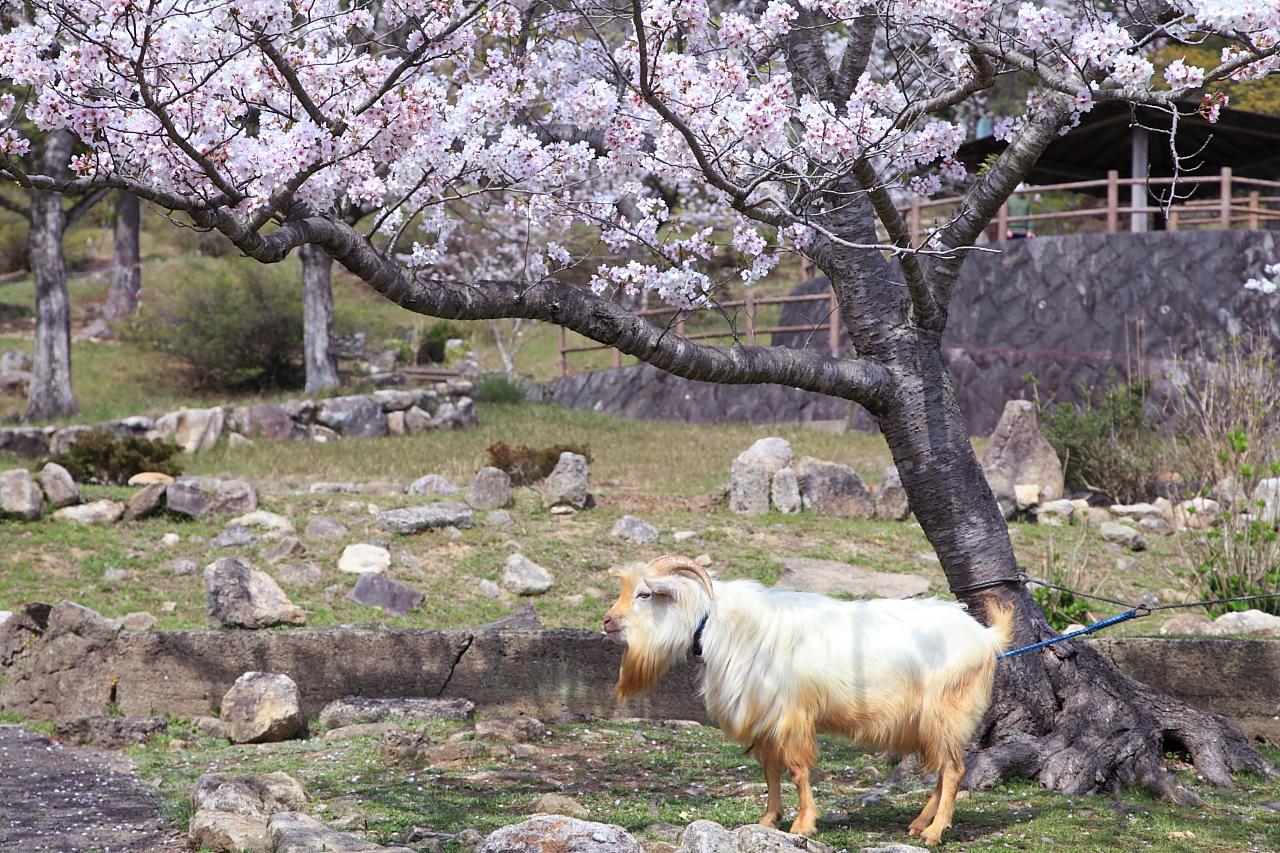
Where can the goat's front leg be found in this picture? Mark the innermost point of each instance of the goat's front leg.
(806, 822)
(926, 814)
(773, 778)
(952, 776)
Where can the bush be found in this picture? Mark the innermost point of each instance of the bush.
(100, 457)
(13, 246)
(431, 346)
(500, 388)
(236, 324)
(527, 465)
(1069, 570)
(1108, 445)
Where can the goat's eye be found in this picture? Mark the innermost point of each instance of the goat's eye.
(643, 594)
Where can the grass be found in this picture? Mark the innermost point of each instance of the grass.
(637, 775)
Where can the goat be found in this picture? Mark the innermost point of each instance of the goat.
(779, 666)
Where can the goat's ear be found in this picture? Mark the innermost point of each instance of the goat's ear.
(662, 587)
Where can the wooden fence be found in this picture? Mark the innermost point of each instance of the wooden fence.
(1240, 202)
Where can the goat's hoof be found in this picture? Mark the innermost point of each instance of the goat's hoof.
(806, 828)
(915, 829)
(930, 838)
(769, 820)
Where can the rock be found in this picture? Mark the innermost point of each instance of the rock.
(193, 429)
(1136, 511)
(262, 707)
(562, 509)
(29, 442)
(235, 439)
(833, 489)
(772, 453)
(233, 536)
(703, 560)
(567, 483)
(394, 598)
(459, 750)
(258, 795)
(1248, 622)
(110, 732)
(417, 420)
(322, 527)
(139, 620)
(362, 558)
(524, 619)
(498, 518)
(1266, 496)
(1098, 515)
(559, 834)
(415, 519)
(1026, 495)
(704, 836)
(1055, 513)
(298, 574)
(511, 729)
(294, 832)
(891, 497)
(263, 520)
(114, 575)
(267, 420)
(784, 492)
(96, 513)
(181, 567)
(237, 596)
(1198, 513)
(395, 424)
(434, 485)
(15, 360)
(145, 502)
(489, 589)
(60, 488)
(210, 727)
(1228, 492)
(284, 549)
(394, 399)
(895, 848)
(490, 489)
(359, 709)
(1002, 490)
(1188, 623)
(1123, 534)
(634, 530)
(833, 578)
(684, 535)
(558, 804)
(525, 577)
(356, 730)
(1156, 526)
(1020, 452)
(20, 495)
(749, 487)
(150, 478)
(358, 416)
(200, 496)
(228, 832)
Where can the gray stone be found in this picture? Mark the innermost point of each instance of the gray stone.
(832, 578)
(237, 596)
(193, 429)
(1195, 624)
(394, 399)
(784, 491)
(704, 836)
(557, 804)
(144, 502)
(15, 359)
(417, 419)
(511, 729)
(362, 557)
(1020, 452)
(267, 420)
(524, 619)
(353, 416)
(434, 485)
(294, 832)
(20, 495)
(489, 589)
(772, 453)
(490, 489)
(1266, 499)
(262, 707)
(110, 732)
(525, 577)
(284, 549)
(139, 620)
(59, 486)
(1156, 526)
(833, 489)
(566, 485)
(1055, 513)
(234, 536)
(749, 486)
(357, 730)
(298, 574)
(29, 442)
(1248, 622)
(260, 519)
(114, 575)
(498, 518)
(633, 530)
(1002, 490)
(95, 514)
(1136, 511)
(147, 478)
(393, 597)
(181, 567)
(228, 832)
(891, 497)
(200, 496)
(322, 527)
(255, 795)
(359, 709)
(1123, 534)
(415, 519)
(895, 848)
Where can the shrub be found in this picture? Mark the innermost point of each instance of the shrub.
(13, 246)
(527, 465)
(1062, 608)
(1107, 443)
(431, 345)
(99, 457)
(235, 324)
(500, 388)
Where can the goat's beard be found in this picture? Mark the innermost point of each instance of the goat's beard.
(645, 660)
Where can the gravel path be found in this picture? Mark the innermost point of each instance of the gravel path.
(62, 799)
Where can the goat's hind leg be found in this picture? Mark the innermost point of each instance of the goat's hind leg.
(952, 775)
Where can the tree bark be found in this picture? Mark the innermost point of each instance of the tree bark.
(317, 322)
(50, 395)
(126, 273)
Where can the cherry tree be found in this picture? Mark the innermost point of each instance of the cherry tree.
(641, 147)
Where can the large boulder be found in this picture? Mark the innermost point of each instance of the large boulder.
(228, 832)
(1248, 622)
(360, 416)
(566, 485)
(1122, 534)
(525, 577)
(830, 488)
(15, 359)
(28, 442)
(193, 429)
(110, 732)
(415, 519)
(704, 836)
(59, 486)
(20, 495)
(393, 597)
(490, 489)
(262, 707)
(1020, 452)
(1003, 491)
(258, 794)
(67, 667)
(295, 832)
(200, 496)
(891, 497)
(559, 834)
(361, 709)
(751, 475)
(1266, 499)
(144, 502)
(96, 514)
(784, 491)
(238, 596)
(267, 420)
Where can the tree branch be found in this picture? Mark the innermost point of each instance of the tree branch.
(24, 212)
(84, 204)
(925, 307)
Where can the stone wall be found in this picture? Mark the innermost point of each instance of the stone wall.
(1053, 306)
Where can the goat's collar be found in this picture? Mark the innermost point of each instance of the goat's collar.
(696, 648)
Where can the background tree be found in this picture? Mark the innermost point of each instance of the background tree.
(782, 127)
(126, 260)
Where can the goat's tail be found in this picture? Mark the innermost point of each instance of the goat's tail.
(1001, 615)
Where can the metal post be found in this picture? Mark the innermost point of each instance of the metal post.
(1224, 200)
(562, 364)
(1138, 171)
(1113, 201)
(750, 310)
(834, 325)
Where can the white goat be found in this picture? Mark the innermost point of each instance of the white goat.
(909, 676)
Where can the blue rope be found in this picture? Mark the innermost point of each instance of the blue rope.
(1096, 626)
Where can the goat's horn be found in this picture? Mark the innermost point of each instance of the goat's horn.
(673, 564)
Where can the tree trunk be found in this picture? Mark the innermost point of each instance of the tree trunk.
(50, 395)
(317, 322)
(1063, 715)
(126, 274)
